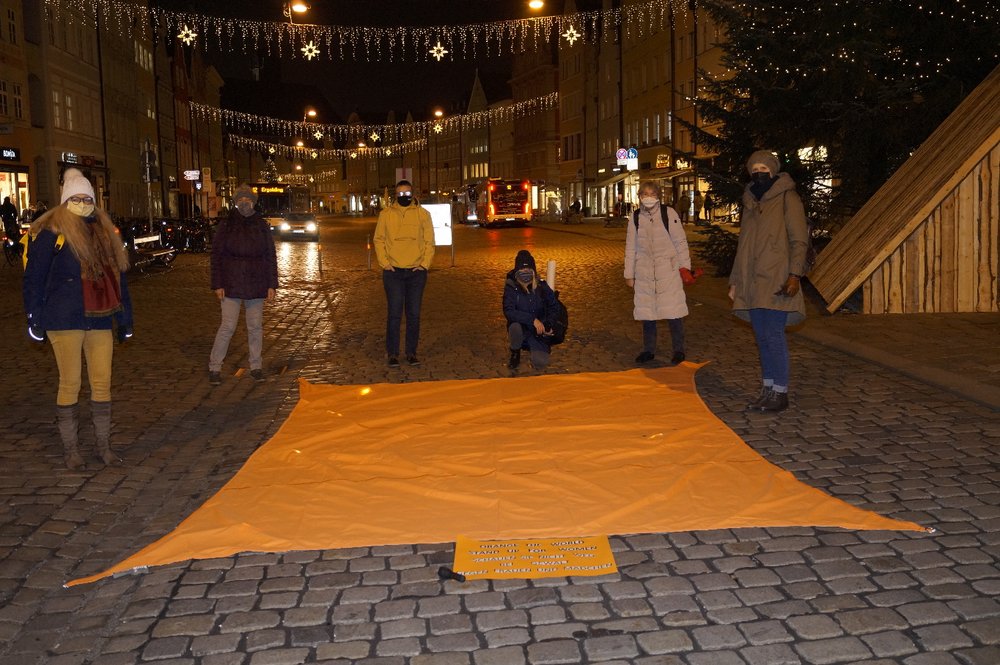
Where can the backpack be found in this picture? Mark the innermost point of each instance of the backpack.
(664, 217)
(560, 321)
(27, 239)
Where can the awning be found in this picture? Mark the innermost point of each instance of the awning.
(613, 179)
(667, 173)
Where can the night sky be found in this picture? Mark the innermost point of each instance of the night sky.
(372, 88)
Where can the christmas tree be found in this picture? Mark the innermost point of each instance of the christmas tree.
(270, 172)
(843, 91)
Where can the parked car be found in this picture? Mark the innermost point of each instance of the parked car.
(299, 225)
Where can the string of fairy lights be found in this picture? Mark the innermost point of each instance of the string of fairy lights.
(305, 152)
(373, 43)
(239, 121)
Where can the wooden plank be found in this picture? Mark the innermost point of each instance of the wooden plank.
(932, 263)
(988, 291)
(912, 250)
(948, 254)
(966, 246)
(876, 302)
(894, 295)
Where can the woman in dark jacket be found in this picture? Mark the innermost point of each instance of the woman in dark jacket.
(74, 292)
(244, 273)
(528, 305)
(770, 260)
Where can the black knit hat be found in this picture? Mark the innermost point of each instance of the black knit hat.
(524, 260)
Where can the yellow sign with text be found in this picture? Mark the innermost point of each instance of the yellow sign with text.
(529, 559)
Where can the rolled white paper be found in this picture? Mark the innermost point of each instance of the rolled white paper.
(550, 275)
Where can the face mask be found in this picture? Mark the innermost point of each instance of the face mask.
(404, 198)
(245, 208)
(649, 202)
(761, 177)
(81, 209)
(525, 275)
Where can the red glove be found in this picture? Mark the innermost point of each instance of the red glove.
(689, 276)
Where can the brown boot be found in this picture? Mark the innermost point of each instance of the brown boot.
(100, 412)
(68, 419)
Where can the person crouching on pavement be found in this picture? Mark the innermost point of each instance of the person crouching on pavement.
(74, 294)
(244, 274)
(764, 282)
(527, 305)
(656, 250)
(404, 245)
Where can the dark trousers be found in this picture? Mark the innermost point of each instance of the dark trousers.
(676, 335)
(404, 290)
(772, 345)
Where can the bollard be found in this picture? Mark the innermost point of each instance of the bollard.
(453, 252)
(368, 248)
(319, 248)
(550, 276)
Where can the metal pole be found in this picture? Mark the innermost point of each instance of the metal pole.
(368, 249)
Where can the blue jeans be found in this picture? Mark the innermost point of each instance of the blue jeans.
(769, 329)
(676, 335)
(404, 290)
(255, 331)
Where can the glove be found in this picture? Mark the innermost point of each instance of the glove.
(123, 334)
(689, 276)
(789, 288)
(36, 333)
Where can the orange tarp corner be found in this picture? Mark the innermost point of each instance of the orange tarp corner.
(549, 456)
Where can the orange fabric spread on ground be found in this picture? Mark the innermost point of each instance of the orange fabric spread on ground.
(533, 457)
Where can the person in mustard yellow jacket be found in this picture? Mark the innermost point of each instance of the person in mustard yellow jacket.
(404, 245)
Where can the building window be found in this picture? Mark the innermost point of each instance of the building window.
(69, 113)
(645, 133)
(11, 26)
(4, 108)
(56, 109)
(656, 127)
(18, 101)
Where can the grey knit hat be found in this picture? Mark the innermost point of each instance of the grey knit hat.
(244, 192)
(767, 158)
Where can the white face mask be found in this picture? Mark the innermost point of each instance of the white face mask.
(81, 209)
(649, 202)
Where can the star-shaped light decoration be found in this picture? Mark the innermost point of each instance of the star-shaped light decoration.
(374, 137)
(438, 51)
(187, 35)
(354, 155)
(314, 154)
(317, 135)
(571, 35)
(271, 150)
(388, 153)
(312, 179)
(438, 128)
(310, 50)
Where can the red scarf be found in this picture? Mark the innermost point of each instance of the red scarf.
(102, 294)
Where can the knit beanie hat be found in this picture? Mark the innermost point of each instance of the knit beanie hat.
(244, 192)
(765, 157)
(524, 260)
(75, 184)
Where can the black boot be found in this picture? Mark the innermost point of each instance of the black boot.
(515, 359)
(774, 402)
(100, 412)
(69, 431)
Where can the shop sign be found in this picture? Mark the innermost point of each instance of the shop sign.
(193, 174)
(10, 154)
(663, 161)
(206, 173)
(70, 158)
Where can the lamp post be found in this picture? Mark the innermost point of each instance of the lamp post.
(294, 7)
(438, 113)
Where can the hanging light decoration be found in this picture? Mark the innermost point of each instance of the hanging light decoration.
(187, 35)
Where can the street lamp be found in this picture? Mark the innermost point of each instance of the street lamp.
(438, 113)
(536, 4)
(294, 7)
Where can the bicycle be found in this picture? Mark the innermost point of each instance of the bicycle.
(12, 251)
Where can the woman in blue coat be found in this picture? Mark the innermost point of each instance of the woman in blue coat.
(528, 305)
(75, 294)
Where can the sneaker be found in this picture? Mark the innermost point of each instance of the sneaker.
(214, 379)
(413, 360)
(258, 375)
(514, 360)
(644, 357)
(393, 361)
(755, 404)
(677, 358)
(774, 402)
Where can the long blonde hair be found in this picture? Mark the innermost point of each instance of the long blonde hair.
(95, 250)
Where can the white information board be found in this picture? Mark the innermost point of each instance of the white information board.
(441, 218)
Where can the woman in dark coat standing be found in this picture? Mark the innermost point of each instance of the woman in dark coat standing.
(528, 305)
(770, 260)
(75, 295)
(244, 273)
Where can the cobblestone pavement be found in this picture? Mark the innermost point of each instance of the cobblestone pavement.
(873, 436)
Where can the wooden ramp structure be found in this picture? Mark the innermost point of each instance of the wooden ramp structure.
(929, 239)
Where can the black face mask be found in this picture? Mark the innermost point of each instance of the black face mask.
(761, 177)
(404, 199)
